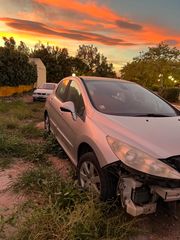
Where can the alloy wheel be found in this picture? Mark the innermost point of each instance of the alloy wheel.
(89, 177)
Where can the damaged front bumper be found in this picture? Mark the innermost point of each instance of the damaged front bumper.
(167, 194)
(139, 199)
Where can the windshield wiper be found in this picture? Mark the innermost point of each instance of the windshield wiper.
(152, 115)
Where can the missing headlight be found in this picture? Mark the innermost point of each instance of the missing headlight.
(141, 195)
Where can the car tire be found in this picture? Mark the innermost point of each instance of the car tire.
(107, 185)
(47, 123)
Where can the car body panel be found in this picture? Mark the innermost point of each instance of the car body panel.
(159, 137)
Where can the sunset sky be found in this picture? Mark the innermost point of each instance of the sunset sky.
(119, 28)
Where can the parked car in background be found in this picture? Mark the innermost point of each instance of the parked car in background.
(42, 92)
(123, 139)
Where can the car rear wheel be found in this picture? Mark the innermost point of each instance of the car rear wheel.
(93, 178)
(47, 123)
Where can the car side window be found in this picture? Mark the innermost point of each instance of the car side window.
(62, 90)
(75, 95)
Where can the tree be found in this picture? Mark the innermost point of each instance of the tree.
(105, 69)
(56, 60)
(23, 48)
(9, 42)
(96, 63)
(15, 68)
(154, 66)
(78, 66)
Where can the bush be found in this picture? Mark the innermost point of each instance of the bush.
(155, 88)
(15, 68)
(170, 94)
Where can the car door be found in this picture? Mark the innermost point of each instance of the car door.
(55, 114)
(71, 127)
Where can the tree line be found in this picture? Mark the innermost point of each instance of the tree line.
(158, 67)
(59, 64)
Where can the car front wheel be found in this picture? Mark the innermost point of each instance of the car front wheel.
(92, 177)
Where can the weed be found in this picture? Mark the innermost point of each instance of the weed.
(36, 154)
(47, 182)
(6, 162)
(52, 146)
(9, 123)
(87, 221)
(3, 107)
(16, 146)
(12, 146)
(22, 115)
(30, 131)
(12, 125)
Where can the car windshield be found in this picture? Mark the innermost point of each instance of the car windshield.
(48, 86)
(120, 98)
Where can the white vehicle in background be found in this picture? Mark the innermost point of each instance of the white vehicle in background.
(42, 92)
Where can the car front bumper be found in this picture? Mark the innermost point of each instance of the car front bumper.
(40, 97)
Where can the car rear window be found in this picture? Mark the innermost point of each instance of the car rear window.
(48, 86)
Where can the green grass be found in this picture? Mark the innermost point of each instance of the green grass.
(19, 137)
(88, 221)
(6, 162)
(52, 146)
(46, 182)
(12, 146)
(67, 212)
(59, 209)
(30, 131)
(8, 123)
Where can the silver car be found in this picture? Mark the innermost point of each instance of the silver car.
(123, 139)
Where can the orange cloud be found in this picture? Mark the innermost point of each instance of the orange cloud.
(40, 28)
(88, 8)
(86, 21)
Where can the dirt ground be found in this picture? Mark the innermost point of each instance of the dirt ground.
(9, 201)
(159, 226)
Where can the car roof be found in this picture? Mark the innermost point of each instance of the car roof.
(87, 78)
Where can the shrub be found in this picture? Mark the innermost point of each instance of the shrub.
(170, 94)
(155, 88)
(15, 68)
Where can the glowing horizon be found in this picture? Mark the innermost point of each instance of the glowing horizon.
(120, 30)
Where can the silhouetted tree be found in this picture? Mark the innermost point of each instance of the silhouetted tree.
(15, 68)
(96, 63)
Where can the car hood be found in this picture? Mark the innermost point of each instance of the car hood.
(159, 137)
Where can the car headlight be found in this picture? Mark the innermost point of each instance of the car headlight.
(141, 161)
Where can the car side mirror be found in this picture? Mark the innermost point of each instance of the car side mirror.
(69, 107)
